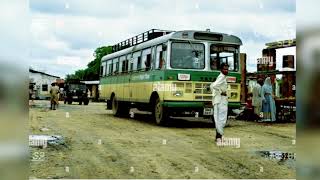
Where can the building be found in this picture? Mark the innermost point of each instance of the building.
(93, 87)
(40, 83)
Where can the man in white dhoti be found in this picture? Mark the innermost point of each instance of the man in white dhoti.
(220, 101)
(256, 97)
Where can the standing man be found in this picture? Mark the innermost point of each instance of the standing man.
(220, 101)
(256, 97)
(54, 93)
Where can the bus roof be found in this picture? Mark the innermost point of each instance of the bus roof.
(186, 35)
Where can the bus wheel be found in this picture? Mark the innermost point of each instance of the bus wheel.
(159, 113)
(119, 108)
(115, 106)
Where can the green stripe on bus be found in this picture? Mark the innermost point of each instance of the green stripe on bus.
(182, 104)
(164, 75)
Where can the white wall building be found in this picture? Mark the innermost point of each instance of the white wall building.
(42, 83)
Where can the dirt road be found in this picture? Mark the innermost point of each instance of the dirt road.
(98, 145)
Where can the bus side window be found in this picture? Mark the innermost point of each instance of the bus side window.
(105, 69)
(136, 61)
(126, 65)
(146, 59)
(129, 63)
(109, 68)
(153, 58)
(160, 58)
(139, 63)
(102, 69)
(148, 62)
(121, 67)
(115, 66)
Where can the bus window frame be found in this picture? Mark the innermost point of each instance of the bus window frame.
(130, 61)
(103, 69)
(115, 65)
(122, 59)
(144, 57)
(109, 62)
(236, 55)
(159, 50)
(153, 58)
(135, 60)
(193, 42)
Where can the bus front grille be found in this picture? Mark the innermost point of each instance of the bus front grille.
(202, 92)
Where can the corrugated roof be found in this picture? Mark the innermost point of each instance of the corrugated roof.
(34, 71)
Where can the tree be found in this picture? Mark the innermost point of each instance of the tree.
(93, 68)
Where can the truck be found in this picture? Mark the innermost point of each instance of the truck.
(76, 92)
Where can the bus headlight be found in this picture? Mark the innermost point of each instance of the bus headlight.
(177, 93)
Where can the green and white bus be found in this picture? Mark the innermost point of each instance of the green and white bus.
(168, 72)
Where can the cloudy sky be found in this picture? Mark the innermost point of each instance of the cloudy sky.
(65, 33)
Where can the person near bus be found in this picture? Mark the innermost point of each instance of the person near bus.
(256, 97)
(220, 101)
(54, 96)
(268, 104)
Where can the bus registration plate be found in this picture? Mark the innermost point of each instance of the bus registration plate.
(207, 111)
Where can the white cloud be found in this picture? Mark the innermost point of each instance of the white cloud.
(69, 61)
(76, 31)
(15, 19)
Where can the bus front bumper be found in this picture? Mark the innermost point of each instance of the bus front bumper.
(193, 108)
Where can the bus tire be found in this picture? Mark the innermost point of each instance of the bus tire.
(160, 113)
(119, 108)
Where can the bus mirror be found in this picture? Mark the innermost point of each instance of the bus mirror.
(164, 47)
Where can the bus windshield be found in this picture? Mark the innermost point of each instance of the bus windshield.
(224, 54)
(187, 55)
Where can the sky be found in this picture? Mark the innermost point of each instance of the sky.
(65, 33)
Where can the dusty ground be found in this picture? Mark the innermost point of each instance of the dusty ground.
(99, 145)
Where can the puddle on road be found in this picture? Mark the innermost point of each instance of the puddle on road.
(283, 158)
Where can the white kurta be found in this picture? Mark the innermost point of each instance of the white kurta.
(256, 98)
(219, 102)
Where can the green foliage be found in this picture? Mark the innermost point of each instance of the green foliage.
(93, 67)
